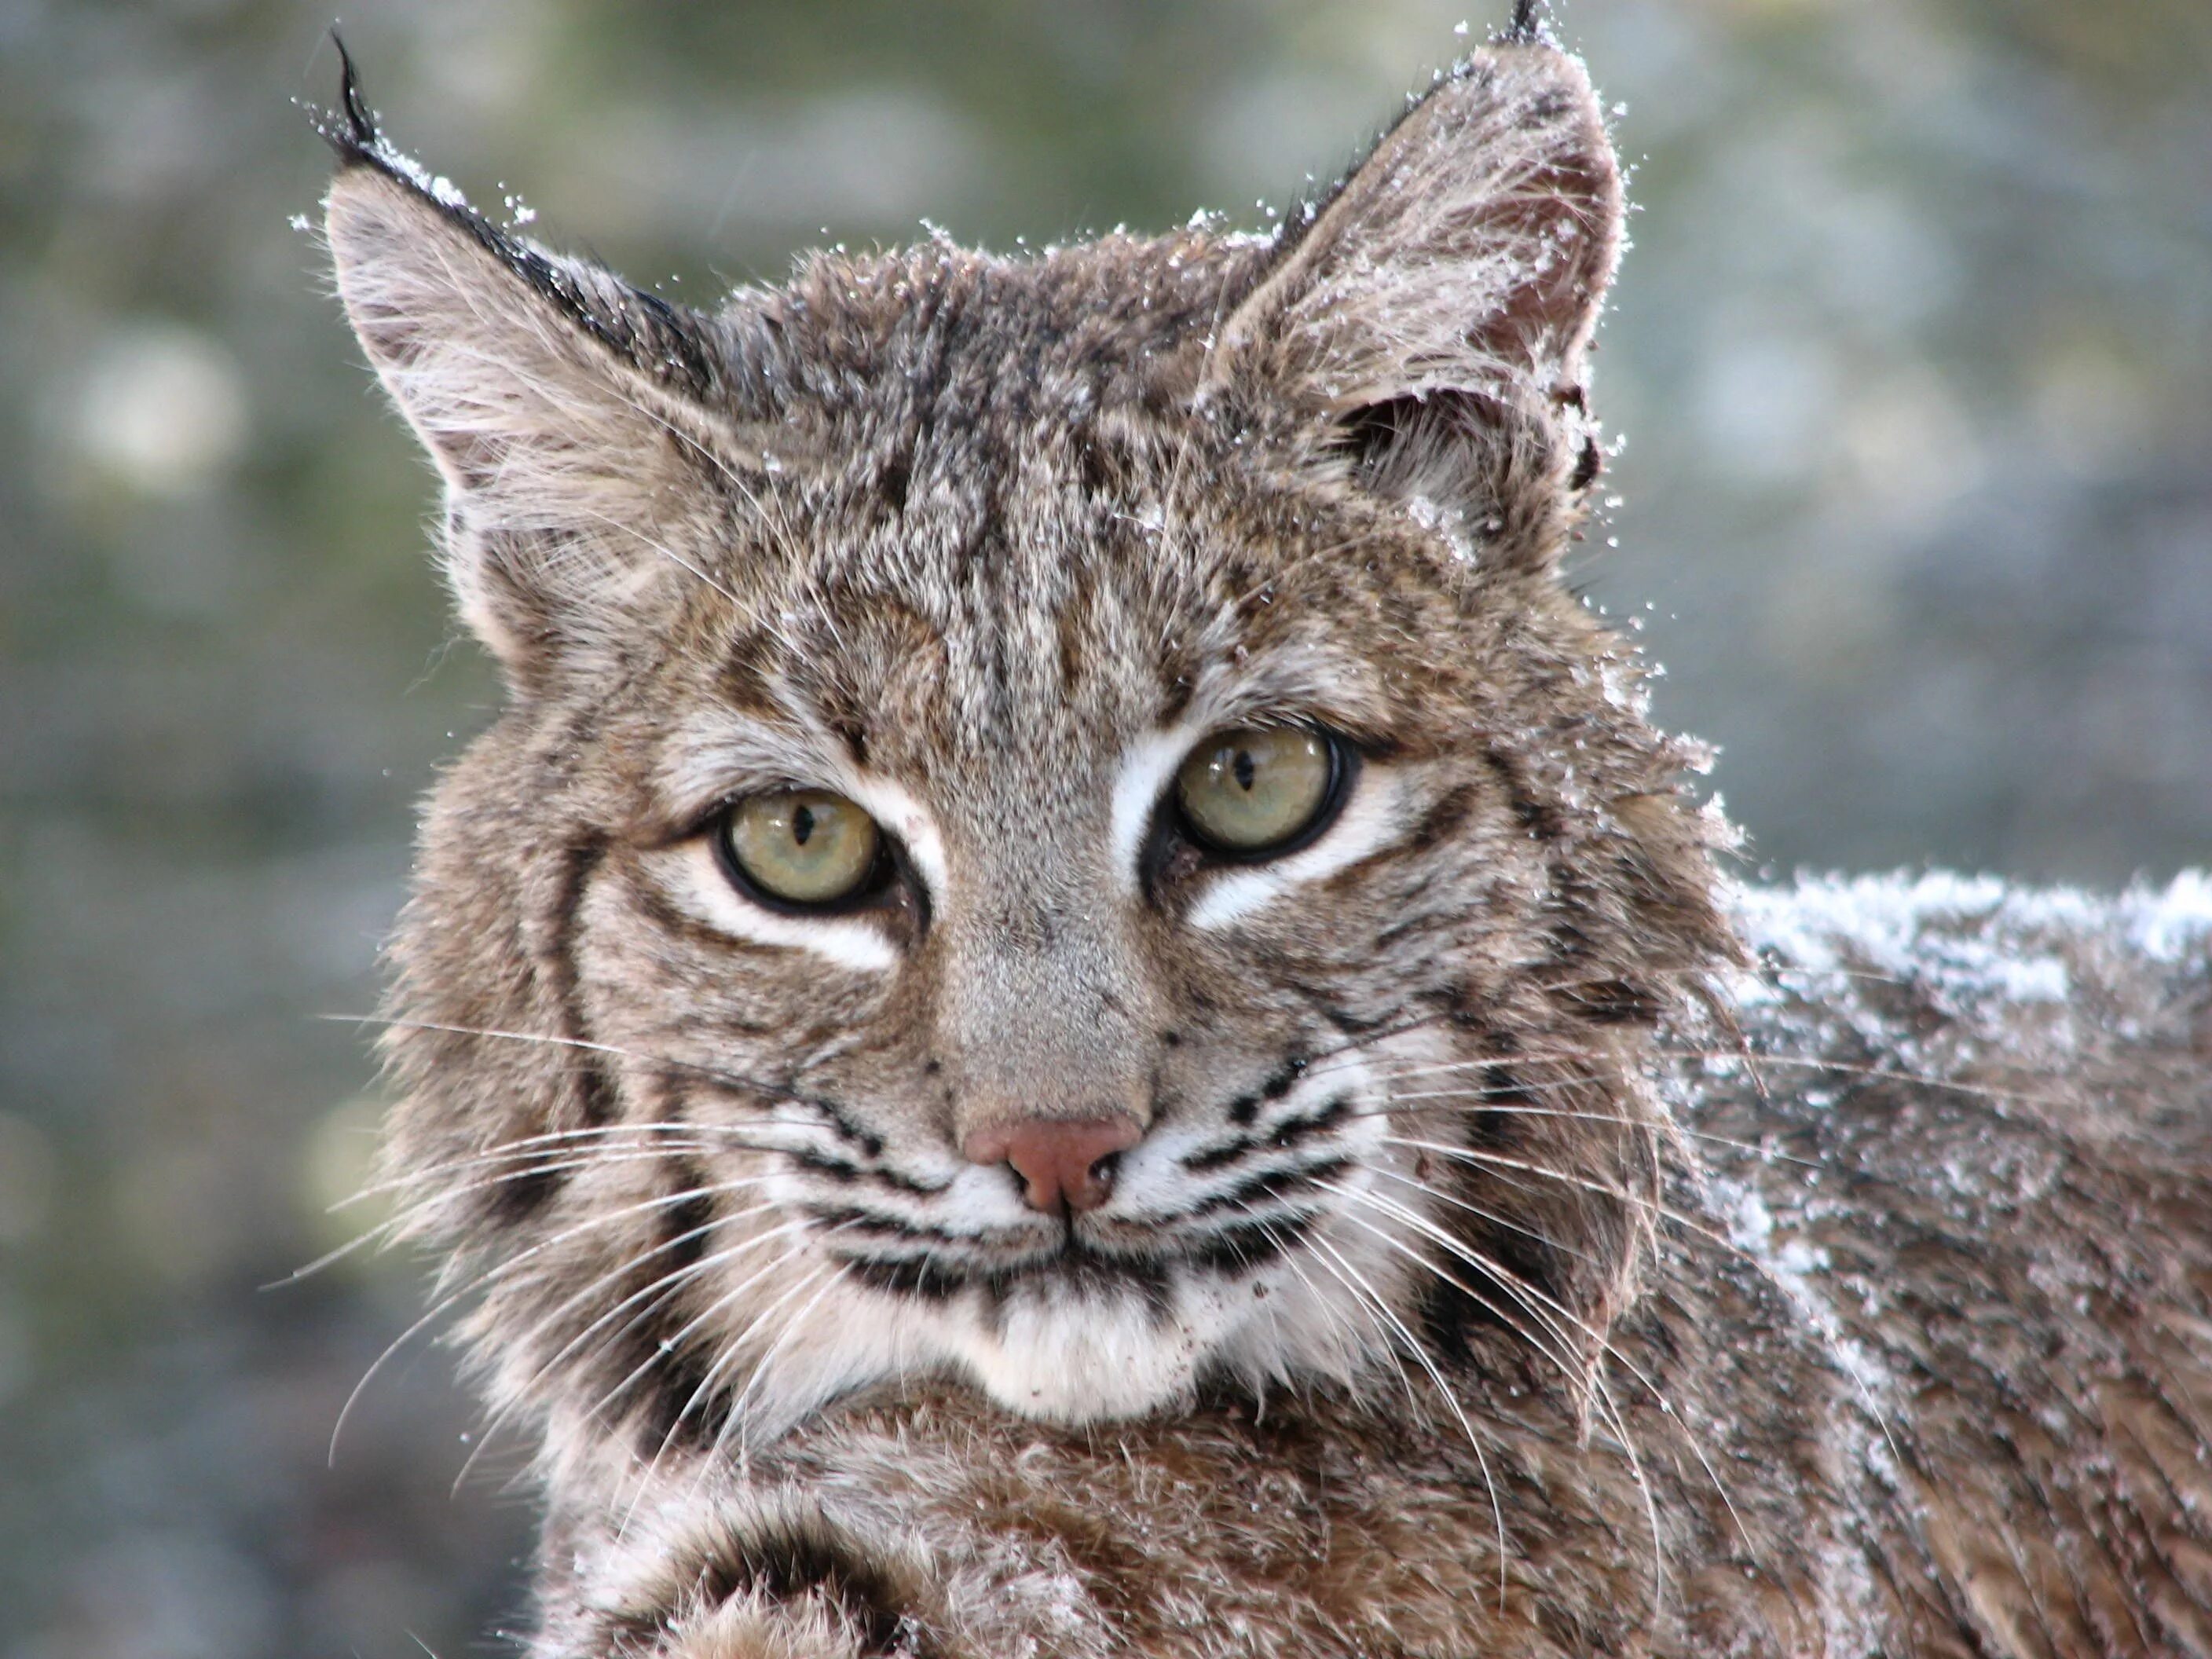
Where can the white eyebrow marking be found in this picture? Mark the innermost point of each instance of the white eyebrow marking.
(1147, 765)
(906, 817)
(1371, 819)
(695, 880)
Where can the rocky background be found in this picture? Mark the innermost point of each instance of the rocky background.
(1912, 360)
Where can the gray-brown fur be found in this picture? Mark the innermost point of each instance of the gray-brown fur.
(1504, 1271)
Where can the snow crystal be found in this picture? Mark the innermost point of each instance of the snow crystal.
(1796, 1268)
(1449, 522)
(2016, 974)
(1624, 687)
(2166, 925)
(1967, 938)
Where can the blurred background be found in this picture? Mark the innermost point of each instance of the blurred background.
(1912, 359)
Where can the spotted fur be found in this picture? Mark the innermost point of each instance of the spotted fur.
(1427, 1317)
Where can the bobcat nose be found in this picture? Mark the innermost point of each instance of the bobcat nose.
(1063, 1166)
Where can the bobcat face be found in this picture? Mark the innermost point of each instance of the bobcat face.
(1041, 936)
(1056, 821)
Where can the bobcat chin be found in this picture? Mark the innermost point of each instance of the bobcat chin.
(1072, 1010)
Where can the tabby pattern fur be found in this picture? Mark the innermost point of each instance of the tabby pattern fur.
(1512, 1262)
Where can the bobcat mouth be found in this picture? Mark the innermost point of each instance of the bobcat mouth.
(1083, 1270)
(1197, 1218)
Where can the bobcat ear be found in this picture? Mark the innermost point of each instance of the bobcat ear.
(1437, 309)
(565, 410)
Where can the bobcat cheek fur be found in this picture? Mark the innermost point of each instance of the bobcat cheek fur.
(1414, 1312)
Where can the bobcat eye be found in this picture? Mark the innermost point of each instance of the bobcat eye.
(802, 846)
(1258, 790)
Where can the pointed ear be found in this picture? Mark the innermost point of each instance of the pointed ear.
(567, 412)
(1436, 311)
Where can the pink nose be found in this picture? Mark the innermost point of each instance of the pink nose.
(1058, 1161)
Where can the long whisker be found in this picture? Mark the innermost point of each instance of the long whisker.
(1666, 1052)
(1443, 1391)
(1503, 1161)
(1388, 1346)
(1481, 1214)
(698, 1320)
(791, 1328)
(1289, 1258)
(1592, 1388)
(655, 1294)
(385, 1233)
(1662, 1052)
(1493, 1161)
(1650, 1500)
(1875, 1075)
(1559, 1357)
(526, 1167)
(730, 1349)
(707, 1138)
(511, 1265)
(1531, 1296)
(1694, 1225)
(1694, 972)
(1497, 1102)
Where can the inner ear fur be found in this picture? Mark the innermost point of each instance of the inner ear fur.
(1433, 316)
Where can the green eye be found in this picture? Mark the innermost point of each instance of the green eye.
(1258, 789)
(804, 847)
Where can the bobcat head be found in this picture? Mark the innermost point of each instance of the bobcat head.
(1055, 821)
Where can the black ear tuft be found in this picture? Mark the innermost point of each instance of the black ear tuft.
(1528, 25)
(350, 130)
(361, 125)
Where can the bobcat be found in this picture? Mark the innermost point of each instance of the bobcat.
(1072, 1009)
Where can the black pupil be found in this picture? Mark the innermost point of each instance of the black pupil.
(1242, 766)
(802, 825)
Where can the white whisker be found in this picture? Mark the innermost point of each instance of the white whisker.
(1444, 1392)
